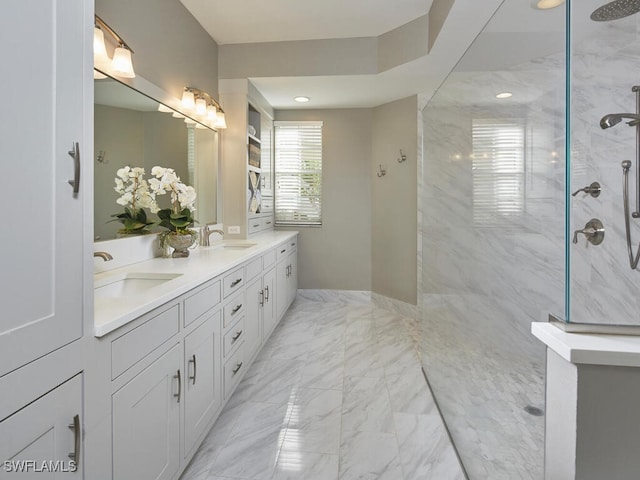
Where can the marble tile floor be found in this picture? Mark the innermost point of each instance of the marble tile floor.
(337, 392)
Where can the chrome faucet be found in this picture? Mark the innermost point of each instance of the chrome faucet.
(103, 255)
(206, 233)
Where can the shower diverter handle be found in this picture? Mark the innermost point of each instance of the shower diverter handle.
(593, 230)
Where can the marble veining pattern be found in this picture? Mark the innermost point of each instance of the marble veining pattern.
(337, 392)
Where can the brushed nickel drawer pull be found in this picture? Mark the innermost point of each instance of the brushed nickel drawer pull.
(237, 369)
(235, 309)
(75, 154)
(179, 377)
(75, 455)
(195, 366)
(236, 336)
(267, 290)
(236, 282)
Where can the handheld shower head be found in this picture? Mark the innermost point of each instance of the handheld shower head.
(610, 120)
(613, 119)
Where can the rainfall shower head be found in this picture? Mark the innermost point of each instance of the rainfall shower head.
(613, 119)
(615, 10)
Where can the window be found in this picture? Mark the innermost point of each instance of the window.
(498, 171)
(298, 173)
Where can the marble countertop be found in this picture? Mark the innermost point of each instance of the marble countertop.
(590, 348)
(203, 264)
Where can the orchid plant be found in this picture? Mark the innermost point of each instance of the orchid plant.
(135, 196)
(179, 218)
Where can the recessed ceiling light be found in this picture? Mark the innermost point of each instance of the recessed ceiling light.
(504, 95)
(546, 4)
(301, 99)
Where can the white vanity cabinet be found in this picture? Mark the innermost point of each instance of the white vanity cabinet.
(42, 288)
(286, 275)
(171, 370)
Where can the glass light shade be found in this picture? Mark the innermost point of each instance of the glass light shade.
(121, 64)
(221, 122)
(188, 102)
(201, 106)
(100, 57)
(212, 113)
(189, 121)
(97, 75)
(163, 108)
(177, 115)
(200, 126)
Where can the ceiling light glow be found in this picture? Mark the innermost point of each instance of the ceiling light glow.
(546, 4)
(302, 99)
(504, 95)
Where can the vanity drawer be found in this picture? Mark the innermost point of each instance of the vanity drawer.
(234, 309)
(233, 337)
(234, 370)
(267, 223)
(268, 259)
(282, 251)
(232, 282)
(136, 344)
(253, 268)
(254, 225)
(201, 301)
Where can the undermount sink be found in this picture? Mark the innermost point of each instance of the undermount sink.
(132, 283)
(235, 245)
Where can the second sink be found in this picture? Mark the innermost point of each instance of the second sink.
(132, 283)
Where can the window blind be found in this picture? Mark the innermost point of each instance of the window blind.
(298, 173)
(498, 171)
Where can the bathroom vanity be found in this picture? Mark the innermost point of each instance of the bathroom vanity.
(173, 338)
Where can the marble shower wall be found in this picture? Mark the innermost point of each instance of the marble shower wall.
(493, 258)
(605, 64)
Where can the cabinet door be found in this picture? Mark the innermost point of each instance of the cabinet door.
(37, 441)
(203, 385)
(269, 318)
(146, 420)
(293, 276)
(253, 319)
(42, 119)
(282, 288)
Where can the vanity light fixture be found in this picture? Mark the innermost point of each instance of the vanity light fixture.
(504, 95)
(120, 65)
(204, 107)
(163, 108)
(302, 99)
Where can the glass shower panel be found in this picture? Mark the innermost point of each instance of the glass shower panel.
(493, 237)
(605, 57)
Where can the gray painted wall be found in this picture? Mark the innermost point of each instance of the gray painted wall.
(394, 200)
(337, 255)
(172, 50)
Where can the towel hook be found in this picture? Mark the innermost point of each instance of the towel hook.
(402, 158)
(382, 172)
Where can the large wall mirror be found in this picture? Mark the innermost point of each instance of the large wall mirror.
(129, 130)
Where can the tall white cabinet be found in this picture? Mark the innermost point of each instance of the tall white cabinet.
(45, 141)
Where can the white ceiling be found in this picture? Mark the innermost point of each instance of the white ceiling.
(251, 21)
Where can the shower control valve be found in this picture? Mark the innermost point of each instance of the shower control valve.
(593, 230)
(594, 190)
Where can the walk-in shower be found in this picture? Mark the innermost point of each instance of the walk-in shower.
(501, 205)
